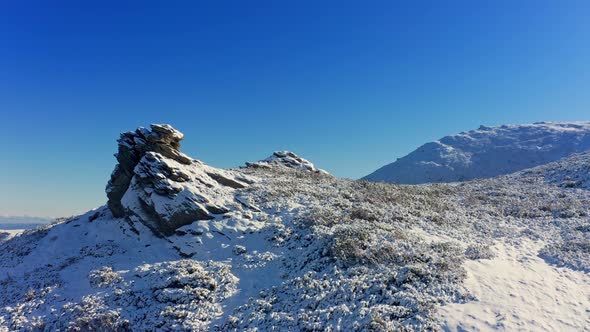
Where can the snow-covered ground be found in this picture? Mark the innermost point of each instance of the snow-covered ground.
(288, 247)
(487, 152)
(570, 172)
(519, 291)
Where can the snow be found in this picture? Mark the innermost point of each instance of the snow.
(302, 250)
(487, 152)
(519, 291)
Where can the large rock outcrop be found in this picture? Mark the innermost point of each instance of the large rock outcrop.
(158, 185)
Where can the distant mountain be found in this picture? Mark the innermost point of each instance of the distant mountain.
(22, 222)
(487, 152)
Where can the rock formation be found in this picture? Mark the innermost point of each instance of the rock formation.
(287, 159)
(158, 185)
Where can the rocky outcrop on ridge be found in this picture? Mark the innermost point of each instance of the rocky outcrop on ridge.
(286, 159)
(158, 185)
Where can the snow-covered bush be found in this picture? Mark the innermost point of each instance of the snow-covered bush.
(573, 250)
(103, 277)
(479, 251)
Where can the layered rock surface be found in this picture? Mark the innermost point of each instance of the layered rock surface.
(158, 185)
(286, 159)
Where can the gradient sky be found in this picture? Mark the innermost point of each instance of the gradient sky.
(350, 86)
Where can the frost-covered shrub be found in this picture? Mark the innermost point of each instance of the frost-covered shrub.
(367, 213)
(366, 243)
(573, 250)
(359, 298)
(93, 315)
(479, 250)
(182, 293)
(323, 217)
(103, 277)
(31, 291)
(175, 295)
(507, 197)
(350, 243)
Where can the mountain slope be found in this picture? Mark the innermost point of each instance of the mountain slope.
(283, 246)
(487, 152)
(570, 172)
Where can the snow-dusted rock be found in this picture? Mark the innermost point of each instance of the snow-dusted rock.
(487, 152)
(133, 145)
(163, 188)
(286, 159)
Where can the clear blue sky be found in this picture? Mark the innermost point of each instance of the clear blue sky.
(349, 85)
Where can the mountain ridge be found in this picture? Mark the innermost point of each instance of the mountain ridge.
(487, 152)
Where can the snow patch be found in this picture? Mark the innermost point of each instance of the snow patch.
(517, 290)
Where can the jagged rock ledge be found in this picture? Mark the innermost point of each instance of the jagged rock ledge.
(156, 184)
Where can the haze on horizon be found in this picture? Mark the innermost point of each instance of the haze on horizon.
(349, 87)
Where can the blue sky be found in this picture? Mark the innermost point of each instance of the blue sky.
(349, 85)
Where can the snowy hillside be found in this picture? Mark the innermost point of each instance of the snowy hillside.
(281, 246)
(569, 172)
(487, 152)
